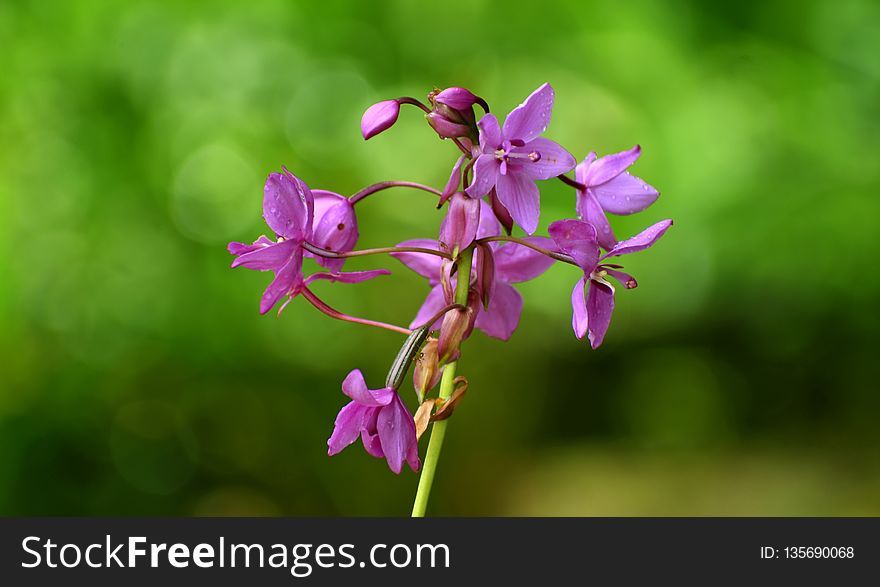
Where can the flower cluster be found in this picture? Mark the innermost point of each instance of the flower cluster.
(472, 263)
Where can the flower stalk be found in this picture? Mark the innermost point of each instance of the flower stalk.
(447, 386)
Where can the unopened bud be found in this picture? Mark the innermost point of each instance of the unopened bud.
(485, 273)
(427, 370)
(379, 117)
(455, 328)
(455, 97)
(447, 128)
(459, 227)
(501, 212)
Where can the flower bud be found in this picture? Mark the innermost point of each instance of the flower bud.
(427, 370)
(455, 97)
(445, 127)
(459, 227)
(485, 269)
(457, 325)
(379, 117)
(501, 212)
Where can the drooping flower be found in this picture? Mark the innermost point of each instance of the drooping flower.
(512, 157)
(610, 188)
(297, 215)
(513, 263)
(288, 208)
(381, 420)
(379, 117)
(334, 228)
(592, 299)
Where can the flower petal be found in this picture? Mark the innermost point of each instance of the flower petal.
(600, 305)
(610, 166)
(553, 159)
(286, 279)
(266, 257)
(335, 227)
(490, 134)
(486, 172)
(578, 239)
(519, 194)
(516, 263)
(397, 433)
(239, 249)
(454, 181)
(355, 387)
(348, 426)
(529, 119)
(641, 241)
(589, 209)
(625, 279)
(502, 317)
(426, 265)
(625, 194)
(347, 276)
(489, 225)
(435, 302)
(579, 308)
(370, 434)
(288, 206)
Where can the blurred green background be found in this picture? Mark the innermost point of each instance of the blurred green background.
(136, 376)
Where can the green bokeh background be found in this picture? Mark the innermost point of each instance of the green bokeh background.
(136, 376)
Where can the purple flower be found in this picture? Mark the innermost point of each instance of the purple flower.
(379, 117)
(383, 423)
(288, 208)
(297, 214)
(512, 157)
(592, 299)
(611, 189)
(334, 228)
(512, 264)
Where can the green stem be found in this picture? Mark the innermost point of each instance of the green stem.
(447, 385)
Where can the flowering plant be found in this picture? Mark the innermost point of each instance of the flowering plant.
(470, 266)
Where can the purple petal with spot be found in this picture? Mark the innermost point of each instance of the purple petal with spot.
(641, 241)
(519, 194)
(578, 239)
(529, 119)
(516, 263)
(553, 159)
(502, 317)
(335, 227)
(600, 305)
